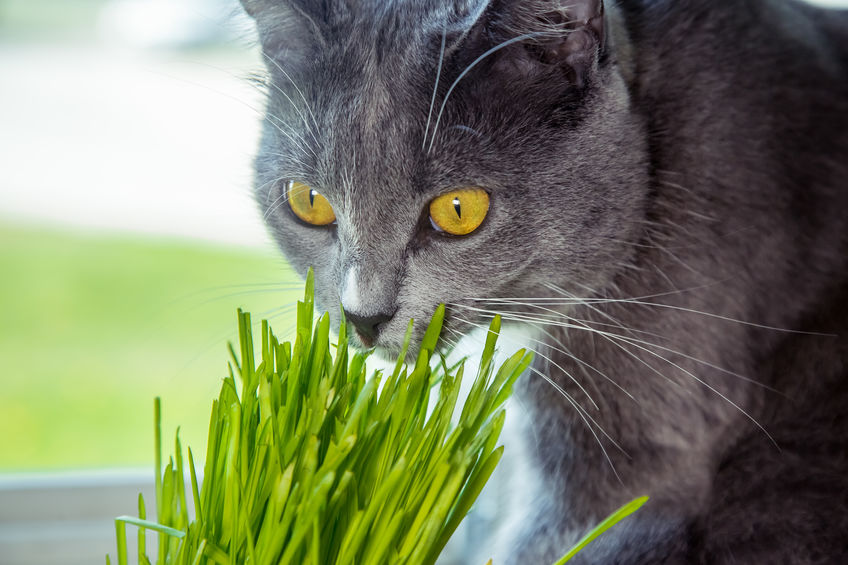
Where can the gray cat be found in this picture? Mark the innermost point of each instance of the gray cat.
(657, 190)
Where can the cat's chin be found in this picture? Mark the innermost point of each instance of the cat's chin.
(387, 352)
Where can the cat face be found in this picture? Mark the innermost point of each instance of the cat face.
(537, 128)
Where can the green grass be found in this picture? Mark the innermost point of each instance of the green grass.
(312, 460)
(95, 327)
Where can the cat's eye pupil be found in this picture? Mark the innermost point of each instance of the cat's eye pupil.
(309, 205)
(460, 211)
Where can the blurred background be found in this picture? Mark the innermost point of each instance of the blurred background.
(127, 232)
(128, 238)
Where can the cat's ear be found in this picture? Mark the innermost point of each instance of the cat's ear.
(290, 26)
(568, 33)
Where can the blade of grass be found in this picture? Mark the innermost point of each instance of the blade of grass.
(147, 524)
(121, 534)
(608, 523)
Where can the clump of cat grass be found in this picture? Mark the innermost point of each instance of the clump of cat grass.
(312, 462)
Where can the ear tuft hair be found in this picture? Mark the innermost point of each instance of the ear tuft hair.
(287, 27)
(568, 33)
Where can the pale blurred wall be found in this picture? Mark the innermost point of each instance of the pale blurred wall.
(136, 115)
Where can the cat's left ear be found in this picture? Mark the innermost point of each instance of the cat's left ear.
(293, 27)
(568, 33)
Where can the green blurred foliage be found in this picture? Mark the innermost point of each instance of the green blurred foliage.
(94, 328)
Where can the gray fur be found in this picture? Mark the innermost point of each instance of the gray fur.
(690, 151)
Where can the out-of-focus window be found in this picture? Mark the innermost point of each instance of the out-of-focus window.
(128, 237)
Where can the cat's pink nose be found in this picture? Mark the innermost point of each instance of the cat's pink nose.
(368, 327)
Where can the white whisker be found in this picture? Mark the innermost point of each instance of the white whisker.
(548, 359)
(294, 106)
(583, 324)
(564, 350)
(588, 420)
(275, 204)
(638, 301)
(644, 346)
(462, 75)
(435, 86)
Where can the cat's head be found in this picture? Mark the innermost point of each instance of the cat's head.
(528, 139)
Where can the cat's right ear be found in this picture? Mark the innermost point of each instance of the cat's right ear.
(568, 33)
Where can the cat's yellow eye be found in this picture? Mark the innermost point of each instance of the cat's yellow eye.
(308, 205)
(460, 212)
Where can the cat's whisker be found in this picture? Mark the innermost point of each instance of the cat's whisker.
(570, 298)
(679, 353)
(645, 346)
(241, 293)
(456, 339)
(278, 202)
(435, 86)
(705, 363)
(261, 189)
(278, 310)
(554, 317)
(632, 342)
(681, 262)
(639, 301)
(553, 383)
(466, 129)
(609, 317)
(549, 360)
(234, 98)
(260, 113)
(584, 324)
(587, 419)
(452, 343)
(271, 284)
(275, 204)
(302, 96)
(290, 133)
(711, 315)
(665, 182)
(565, 351)
(459, 336)
(294, 161)
(462, 75)
(707, 385)
(541, 325)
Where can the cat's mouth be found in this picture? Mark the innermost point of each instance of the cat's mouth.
(385, 350)
(375, 337)
(388, 339)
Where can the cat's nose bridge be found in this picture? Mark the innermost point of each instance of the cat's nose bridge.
(368, 289)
